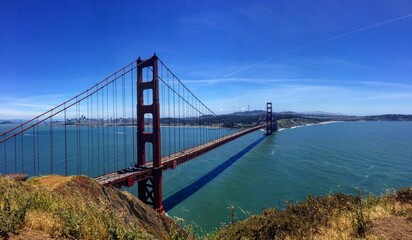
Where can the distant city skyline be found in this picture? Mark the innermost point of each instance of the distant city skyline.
(346, 57)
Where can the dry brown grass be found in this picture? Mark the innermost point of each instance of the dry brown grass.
(41, 221)
(52, 181)
(77, 208)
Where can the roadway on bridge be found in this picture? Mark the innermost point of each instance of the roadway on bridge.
(170, 161)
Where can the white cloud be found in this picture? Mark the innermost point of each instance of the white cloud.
(347, 97)
(28, 107)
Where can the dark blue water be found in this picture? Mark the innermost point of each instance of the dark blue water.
(254, 173)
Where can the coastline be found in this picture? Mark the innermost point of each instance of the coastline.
(300, 122)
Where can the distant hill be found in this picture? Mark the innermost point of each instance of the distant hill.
(12, 121)
(389, 117)
(248, 113)
(320, 113)
(288, 119)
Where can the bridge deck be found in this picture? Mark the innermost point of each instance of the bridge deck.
(169, 161)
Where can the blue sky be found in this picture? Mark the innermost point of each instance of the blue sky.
(351, 57)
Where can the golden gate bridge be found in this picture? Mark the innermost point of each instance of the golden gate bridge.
(130, 127)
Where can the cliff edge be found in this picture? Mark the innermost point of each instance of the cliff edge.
(77, 207)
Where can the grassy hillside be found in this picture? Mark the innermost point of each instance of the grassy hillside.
(56, 207)
(77, 208)
(335, 216)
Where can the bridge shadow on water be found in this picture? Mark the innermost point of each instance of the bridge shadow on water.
(192, 188)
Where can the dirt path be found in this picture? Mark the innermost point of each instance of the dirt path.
(393, 227)
(53, 181)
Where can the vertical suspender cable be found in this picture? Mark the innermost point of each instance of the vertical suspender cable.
(5, 156)
(183, 120)
(124, 118)
(161, 112)
(92, 134)
(107, 125)
(114, 128)
(38, 147)
(186, 122)
(78, 136)
(116, 140)
(197, 124)
(65, 141)
(174, 116)
(98, 132)
(34, 151)
(116, 163)
(51, 145)
(132, 124)
(103, 134)
(15, 155)
(180, 119)
(88, 135)
(169, 108)
(22, 152)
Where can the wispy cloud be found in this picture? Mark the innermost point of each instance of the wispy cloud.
(29, 107)
(309, 81)
(343, 96)
(317, 43)
(336, 63)
(205, 23)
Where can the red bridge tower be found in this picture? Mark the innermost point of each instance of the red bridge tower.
(269, 118)
(150, 189)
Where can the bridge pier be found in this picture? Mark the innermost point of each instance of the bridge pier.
(157, 190)
(150, 190)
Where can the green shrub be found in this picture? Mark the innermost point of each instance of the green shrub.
(11, 218)
(404, 195)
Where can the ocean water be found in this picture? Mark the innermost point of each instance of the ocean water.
(251, 173)
(257, 172)
(91, 151)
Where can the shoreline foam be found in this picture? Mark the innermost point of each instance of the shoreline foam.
(310, 124)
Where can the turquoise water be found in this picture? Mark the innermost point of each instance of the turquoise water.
(291, 164)
(251, 173)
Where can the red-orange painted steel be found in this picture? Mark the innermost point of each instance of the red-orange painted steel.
(269, 118)
(130, 181)
(155, 192)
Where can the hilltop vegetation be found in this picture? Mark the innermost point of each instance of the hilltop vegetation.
(388, 117)
(292, 119)
(336, 216)
(293, 122)
(77, 208)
